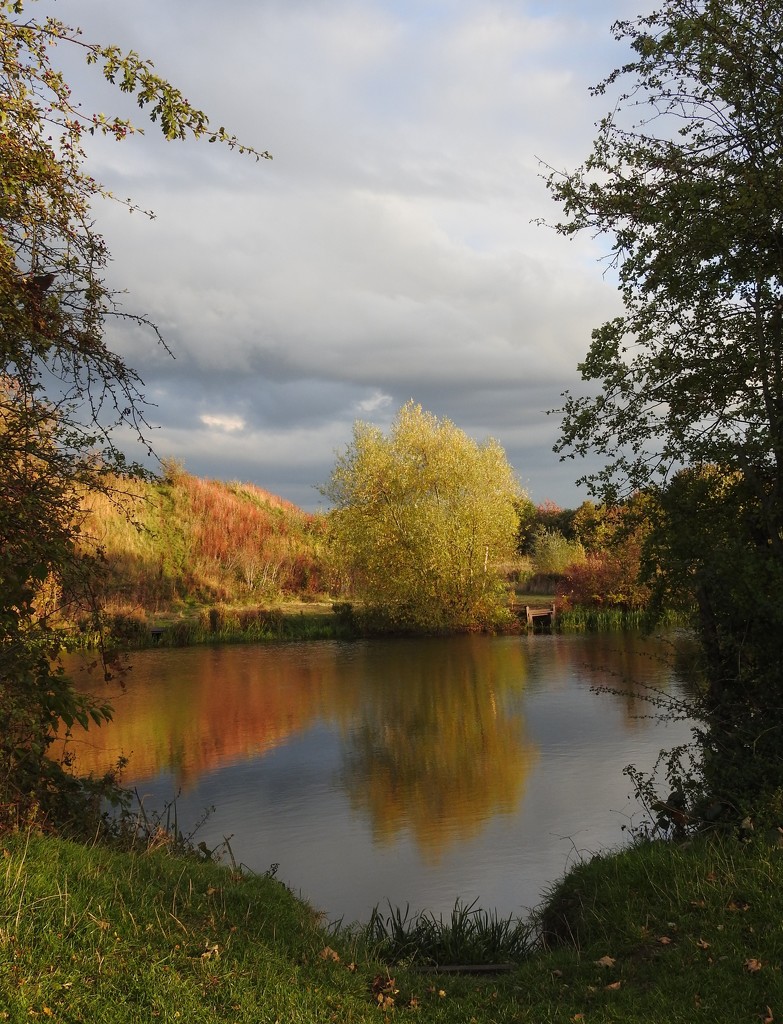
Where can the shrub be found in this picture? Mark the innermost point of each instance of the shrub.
(553, 553)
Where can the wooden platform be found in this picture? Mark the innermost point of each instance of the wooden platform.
(537, 616)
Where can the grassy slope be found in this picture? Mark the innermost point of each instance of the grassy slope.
(183, 542)
(690, 933)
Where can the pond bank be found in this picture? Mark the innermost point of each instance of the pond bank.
(326, 620)
(658, 933)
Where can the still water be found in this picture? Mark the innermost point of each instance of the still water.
(415, 771)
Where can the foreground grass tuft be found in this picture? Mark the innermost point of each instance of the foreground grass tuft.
(658, 933)
(471, 936)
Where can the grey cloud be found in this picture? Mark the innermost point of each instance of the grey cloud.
(386, 253)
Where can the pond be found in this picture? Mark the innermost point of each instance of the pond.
(415, 771)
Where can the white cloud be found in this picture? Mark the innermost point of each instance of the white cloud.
(374, 403)
(226, 424)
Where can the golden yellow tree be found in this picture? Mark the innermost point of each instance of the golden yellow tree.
(421, 520)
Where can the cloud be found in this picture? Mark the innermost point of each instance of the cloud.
(226, 424)
(387, 253)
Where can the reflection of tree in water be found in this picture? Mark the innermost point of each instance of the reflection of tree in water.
(193, 711)
(638, 671)
(436, 749)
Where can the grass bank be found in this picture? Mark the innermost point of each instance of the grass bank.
(658, 933)
(314, 620)
(218, 624)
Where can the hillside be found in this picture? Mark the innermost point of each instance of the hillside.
(183, 541)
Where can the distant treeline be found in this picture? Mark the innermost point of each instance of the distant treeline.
(184, 541)
(589, 557)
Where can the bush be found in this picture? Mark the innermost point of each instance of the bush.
(553, 553)
(604, 581)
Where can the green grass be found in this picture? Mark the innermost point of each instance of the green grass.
(660, 933)
(470, 936)
(221, 623)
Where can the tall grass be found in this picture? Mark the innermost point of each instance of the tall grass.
(470, 936)
(600, 620)
(184, 540)
(223, 624)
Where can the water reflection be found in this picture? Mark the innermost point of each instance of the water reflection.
(436, 747)
(189, 712)
(431, 742)
(638, 672)
(416, 770)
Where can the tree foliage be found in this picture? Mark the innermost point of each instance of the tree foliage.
(421, 519)
(685, 182)
(62, 390)
(709, 548)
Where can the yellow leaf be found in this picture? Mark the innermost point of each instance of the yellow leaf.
(606, 961)
(327, 953)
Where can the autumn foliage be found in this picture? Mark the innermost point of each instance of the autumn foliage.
(186, 540)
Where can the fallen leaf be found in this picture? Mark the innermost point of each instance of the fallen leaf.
(664, 940)
(702, 944)
(701, 904)
(769, 1018)
(442, 993)
(613, 986)
(606, 961)
(327, 953)
(752, 965)
(577, 1016)
(738, 905)
(383, 986)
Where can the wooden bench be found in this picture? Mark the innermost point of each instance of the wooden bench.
(540, 616)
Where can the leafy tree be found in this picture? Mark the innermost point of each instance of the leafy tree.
(62, 390)
(685, 181)
(421, 519)
(611, 575)
(708, 548)
(553, 553)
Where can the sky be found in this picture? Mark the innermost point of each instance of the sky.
(388, 252)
